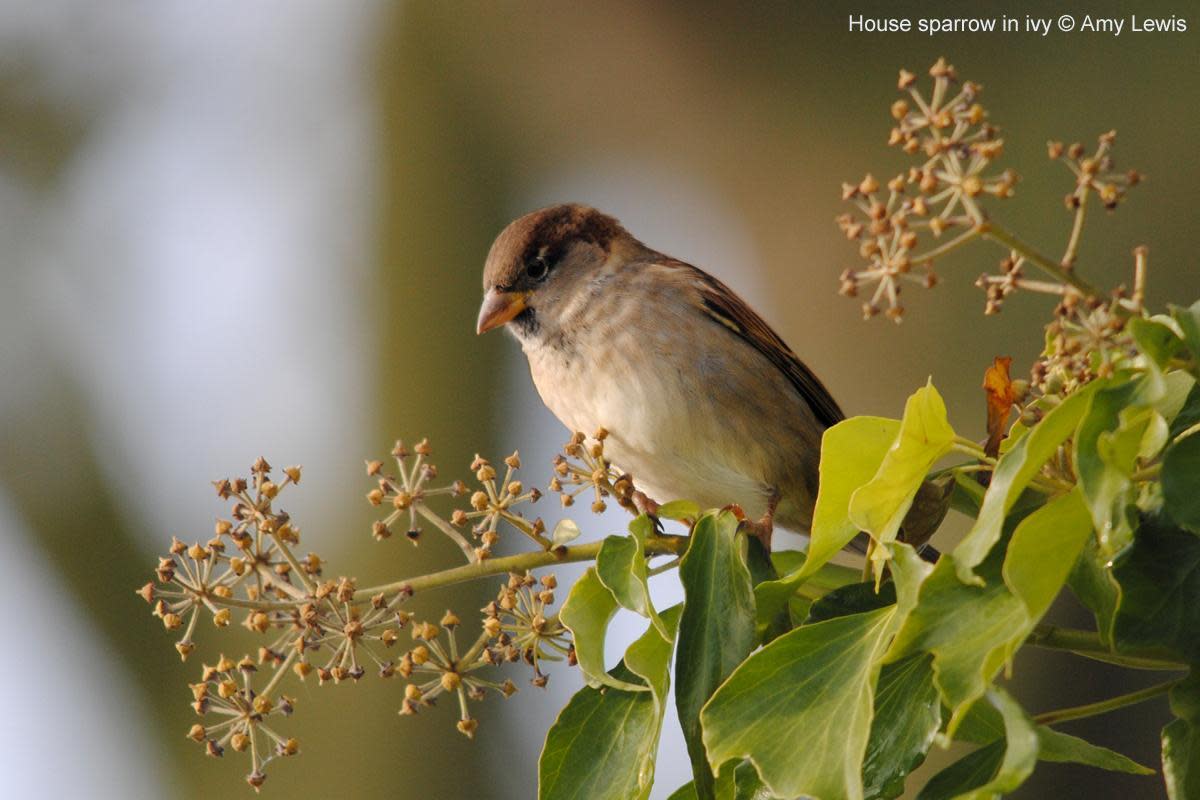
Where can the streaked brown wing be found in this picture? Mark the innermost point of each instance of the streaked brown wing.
(725, 307)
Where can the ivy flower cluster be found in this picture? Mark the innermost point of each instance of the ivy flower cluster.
(949, 130)
(331, 630)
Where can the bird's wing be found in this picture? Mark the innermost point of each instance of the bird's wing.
(725, 307)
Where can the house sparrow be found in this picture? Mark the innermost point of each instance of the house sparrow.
(701, 399)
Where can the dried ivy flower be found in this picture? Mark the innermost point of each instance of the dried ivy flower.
(236, 715)
(522, 629)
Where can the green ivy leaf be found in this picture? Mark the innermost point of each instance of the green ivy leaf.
(1106, 448)
(851, 454)
(995, 769)
(771, 597)
(983, 725)
(745, 786)
(1188, 320)
(925, 435)
(576, 760)
(1092, 582)
(1044, 547)
(970, 630)
(1156, 338)
(1159, 602)
(973, 769)
(973, 630)
(1187, 414)
(1064, 748)
(1012, 475)
(600, 744)
(679, 510)
(800, 708)
(1181, 481)
(649, 657)
(908, 713)
(1181, 741)
(589, 608)
(853, 599)
(1020, 750)
(621, 567)
(716, 631)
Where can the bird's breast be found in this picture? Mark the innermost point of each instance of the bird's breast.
(680, 417)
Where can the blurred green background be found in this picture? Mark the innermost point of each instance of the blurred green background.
(233, 229)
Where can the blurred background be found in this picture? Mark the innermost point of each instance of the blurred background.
(242, 229)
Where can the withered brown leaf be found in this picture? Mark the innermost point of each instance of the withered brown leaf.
(1000, 398)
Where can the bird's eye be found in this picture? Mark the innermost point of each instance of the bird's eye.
(537, 268)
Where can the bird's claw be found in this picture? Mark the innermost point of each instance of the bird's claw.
(649, 507)
(761, 529)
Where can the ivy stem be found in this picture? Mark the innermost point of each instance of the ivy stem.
(1104, 706)
(292, 562)
(655, 546)
(452, 534)
(1042, 483)
(1147, 473)
(1000, 235)
(947, 247)
(1068, 259)
(1088, 644)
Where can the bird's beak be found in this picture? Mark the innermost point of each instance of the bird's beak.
(498, 308)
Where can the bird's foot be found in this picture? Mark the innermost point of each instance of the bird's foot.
(765, 525)
(761, 529)
(647, 506)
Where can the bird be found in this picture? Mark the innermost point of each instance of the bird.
(700, 398)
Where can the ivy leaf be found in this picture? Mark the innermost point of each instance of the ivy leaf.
(1187, 413)
(1181, 741)
(800, 709)
(1106, 446)
(1043, 549)
(997, 386)
(1067, 749)
(983, 725)
(1159, 601)
(589, 608)
(1157, 338)
(1092, 582)
(679, 510)
(993, 770)
(851, 454)
(970, 771)
(908, 713)
(716, 630)
(745, 786)
(853, 599)
(1181, 481)
(1012, 475)
(604, 741)
(1020, 749)
(599, 746)
(621, 567)
(1188, 320)
(925, 435)
(649, 657)
(973, 630)
(970, 630)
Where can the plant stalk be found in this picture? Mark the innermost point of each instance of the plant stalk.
(1104, 706)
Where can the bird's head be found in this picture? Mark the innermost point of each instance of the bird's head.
(539, 262)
